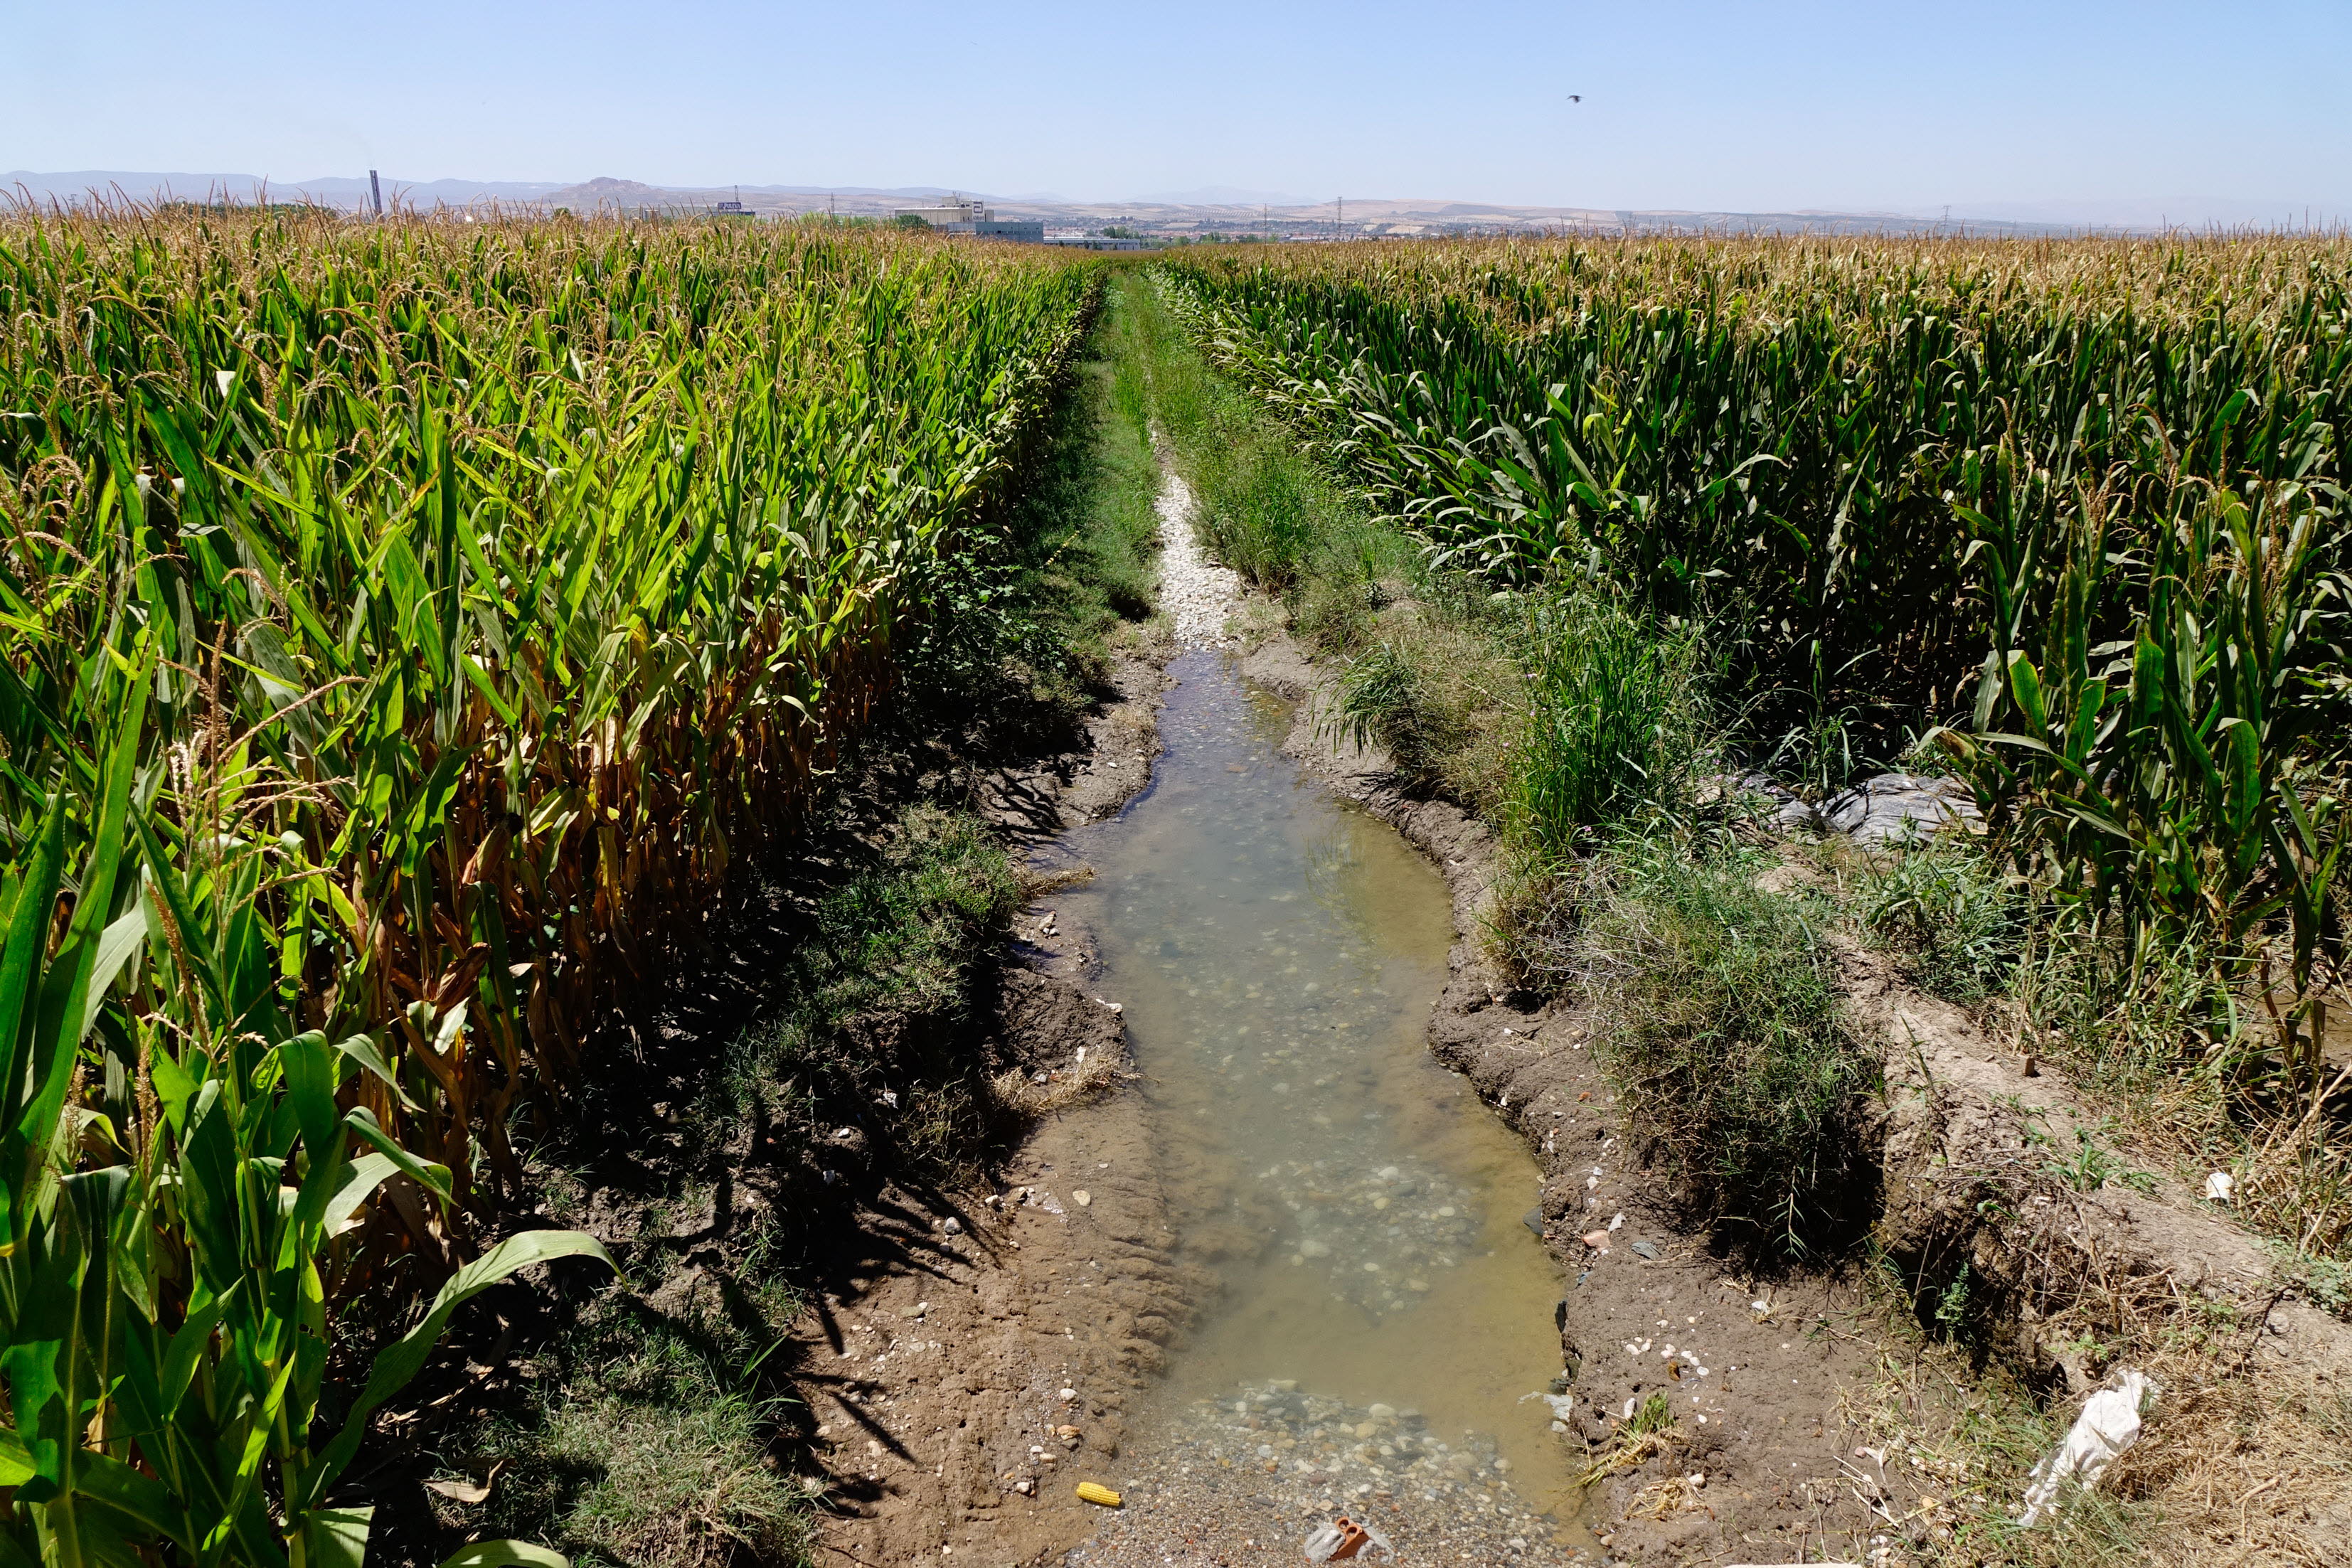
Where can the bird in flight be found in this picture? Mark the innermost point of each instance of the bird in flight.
(1575, 97)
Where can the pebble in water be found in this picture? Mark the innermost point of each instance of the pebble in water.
(1378, 1235)
(1271, 1461)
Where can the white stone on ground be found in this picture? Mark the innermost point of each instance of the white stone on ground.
(1197, 593)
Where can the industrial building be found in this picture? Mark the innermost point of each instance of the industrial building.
(958, 216)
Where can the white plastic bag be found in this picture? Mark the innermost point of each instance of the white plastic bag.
(2108, 1425)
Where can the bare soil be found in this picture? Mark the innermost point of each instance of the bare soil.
(949, 1430)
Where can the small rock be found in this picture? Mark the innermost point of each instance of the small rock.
(954, 1227)
(1646, 1249)
(1068, 1395)
(1081, 1197)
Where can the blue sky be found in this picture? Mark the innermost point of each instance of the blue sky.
(2192, 110)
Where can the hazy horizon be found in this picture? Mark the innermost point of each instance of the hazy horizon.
(2094, 112)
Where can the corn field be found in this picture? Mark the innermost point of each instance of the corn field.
(407, 625)
(2076, 508)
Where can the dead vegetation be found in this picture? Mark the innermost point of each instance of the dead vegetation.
(1033, 1094)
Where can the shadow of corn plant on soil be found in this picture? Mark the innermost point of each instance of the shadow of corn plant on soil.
(827, 1056)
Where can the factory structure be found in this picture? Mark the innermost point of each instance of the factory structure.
(958, 216)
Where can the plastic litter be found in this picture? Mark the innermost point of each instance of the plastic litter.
(2220, 1185)
(2108, 1425)
(1894, 806)
(1558, 1404)
(1097, 1493)
(1647, 1249)
(1343, 1538)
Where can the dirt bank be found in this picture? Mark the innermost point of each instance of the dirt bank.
(1784, 1459)
(977, 1359)
(1652, 1311)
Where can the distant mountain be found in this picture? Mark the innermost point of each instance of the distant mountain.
(605, 192)
(1207, 209)
(1224, 196)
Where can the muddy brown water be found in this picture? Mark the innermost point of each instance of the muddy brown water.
(1278, 953)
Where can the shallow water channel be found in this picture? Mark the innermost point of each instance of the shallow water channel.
(1277, 951)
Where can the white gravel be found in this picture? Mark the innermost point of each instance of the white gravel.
(1197, 593)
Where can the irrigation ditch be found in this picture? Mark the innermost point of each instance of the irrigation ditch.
(1120, 964)
(976, 1352)
(1712, 1405)
(2002, 1254)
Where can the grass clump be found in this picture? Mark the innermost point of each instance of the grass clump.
(1650, 1431)
(1725, 1035)
(877, 994)
(649, 1447)
(1436, 693)
(1616, 718)
(1952, 913)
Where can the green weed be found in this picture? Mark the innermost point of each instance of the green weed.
(1726, 1039)
(652, 1443)
(1947, 905)
(1616, 714)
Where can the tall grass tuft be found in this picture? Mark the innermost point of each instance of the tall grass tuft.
(1616, 718)
(1722, 1025)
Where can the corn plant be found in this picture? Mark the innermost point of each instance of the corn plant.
(407, 627)
(1773, 432)
(2181, 776)
(2096, 487)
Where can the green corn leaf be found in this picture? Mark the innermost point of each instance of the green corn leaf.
(2025, 686)
(396, 1364)
(505, 1554)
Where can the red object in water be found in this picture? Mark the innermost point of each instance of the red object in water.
(1352, 1538)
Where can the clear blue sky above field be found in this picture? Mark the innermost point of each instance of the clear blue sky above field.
(1709, 104)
